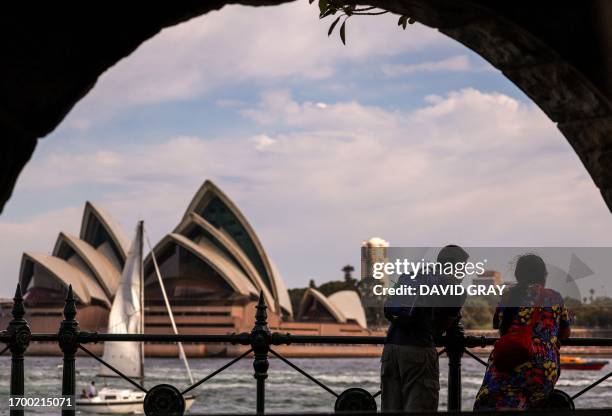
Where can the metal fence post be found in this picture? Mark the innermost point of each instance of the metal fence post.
(68, 342)
(260, 342)
(455, 343)
(19, 339)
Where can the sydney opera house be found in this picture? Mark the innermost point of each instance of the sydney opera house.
(213, 266)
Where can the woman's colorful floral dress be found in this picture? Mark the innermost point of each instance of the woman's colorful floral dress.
(528, 385)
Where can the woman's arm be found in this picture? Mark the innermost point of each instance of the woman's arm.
(500, 312)
(496, 318)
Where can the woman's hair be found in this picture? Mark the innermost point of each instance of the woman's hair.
(530, 269)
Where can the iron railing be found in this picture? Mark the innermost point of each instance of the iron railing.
(167, 400)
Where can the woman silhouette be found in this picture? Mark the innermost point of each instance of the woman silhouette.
(528, 385)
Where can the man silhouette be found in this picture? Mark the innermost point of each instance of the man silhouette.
(410, 373)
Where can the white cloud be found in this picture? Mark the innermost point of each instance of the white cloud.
(467, 167)
(277, 107)
(452, 64)
(263, 141)
(237, 43)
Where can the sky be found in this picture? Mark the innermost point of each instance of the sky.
(404, 135)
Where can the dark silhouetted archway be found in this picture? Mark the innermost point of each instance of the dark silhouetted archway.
(558, 52)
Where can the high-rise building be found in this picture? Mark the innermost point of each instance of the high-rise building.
(373, 251)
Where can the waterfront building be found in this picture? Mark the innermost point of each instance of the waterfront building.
(91, 263)
(213, 266)
(373, 250)
(488, 278)
(343, 306)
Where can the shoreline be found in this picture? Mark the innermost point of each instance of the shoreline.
(289, 351)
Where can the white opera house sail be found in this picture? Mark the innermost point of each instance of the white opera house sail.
(213, 266)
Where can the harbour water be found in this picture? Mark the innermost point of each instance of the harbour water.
(233, 391)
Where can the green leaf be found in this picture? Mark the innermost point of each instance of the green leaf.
(401, 20)
(310, 1)
(343, 33)
(323, 6)
(333, 25)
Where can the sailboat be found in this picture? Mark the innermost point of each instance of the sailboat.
(127, 317)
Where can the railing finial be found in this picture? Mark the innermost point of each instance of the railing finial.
(68, 337)
(18, 311)
(19, 340)
(260, 343)
(261, 316)
(70, 305)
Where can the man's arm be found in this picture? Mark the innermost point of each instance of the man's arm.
(399, 308)
(444, 318)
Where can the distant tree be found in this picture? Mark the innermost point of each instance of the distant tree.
(572, 303)
(334, 286)
(594, 312)
(348, 270)
(477, 312)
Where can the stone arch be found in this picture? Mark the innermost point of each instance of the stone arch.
(558, 53)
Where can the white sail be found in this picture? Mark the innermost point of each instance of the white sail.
(182, 354)
(126, 316)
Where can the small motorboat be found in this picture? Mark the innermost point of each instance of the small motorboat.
(577, 363)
